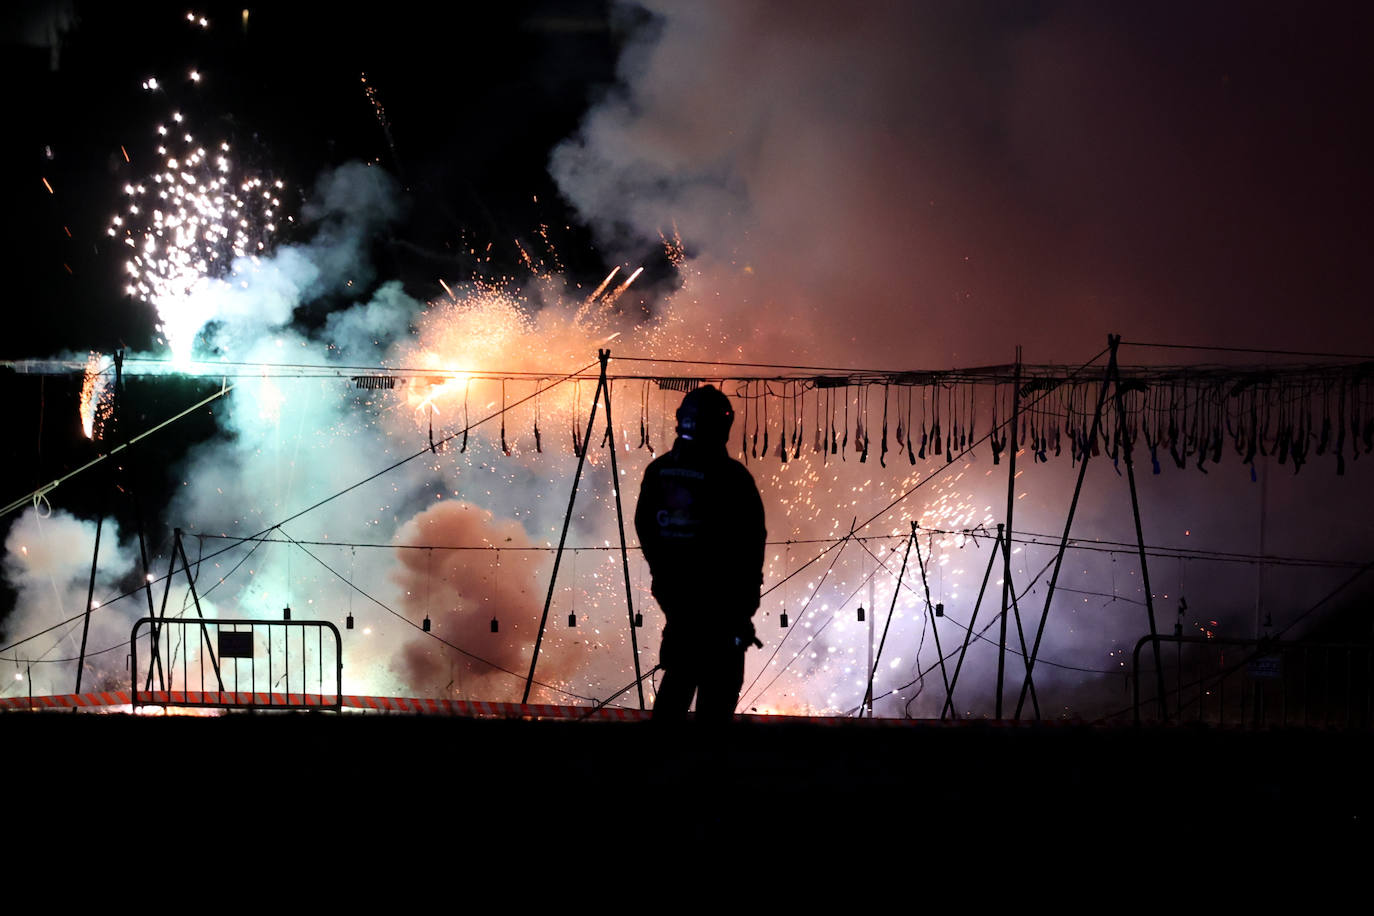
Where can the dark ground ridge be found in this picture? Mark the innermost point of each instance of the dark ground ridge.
(355, 778)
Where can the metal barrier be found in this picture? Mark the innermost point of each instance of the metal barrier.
(1258, 683)
(269, 664)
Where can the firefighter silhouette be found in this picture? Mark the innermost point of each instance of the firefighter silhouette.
(700, 522)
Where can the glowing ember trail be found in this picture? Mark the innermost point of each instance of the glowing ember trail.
(497, 327)
(96, 385)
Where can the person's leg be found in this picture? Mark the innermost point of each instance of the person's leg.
(721, 680)
(674, 695)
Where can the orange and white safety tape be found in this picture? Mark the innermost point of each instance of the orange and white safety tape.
(474, 708)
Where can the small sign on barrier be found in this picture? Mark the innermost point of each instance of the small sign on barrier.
(235, 645)
(1265, 668)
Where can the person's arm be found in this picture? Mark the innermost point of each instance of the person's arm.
(646, 523)
(754, 534)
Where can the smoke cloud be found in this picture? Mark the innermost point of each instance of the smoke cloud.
(463, 591)
(921, 184)
(48, 563)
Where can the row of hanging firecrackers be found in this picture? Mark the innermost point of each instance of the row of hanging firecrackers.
(948, 422)
(578, 446)
(1187, 419)
(1042, 419)
(506, 447)
(1263, 416)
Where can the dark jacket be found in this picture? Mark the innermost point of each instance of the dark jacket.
(700, 522)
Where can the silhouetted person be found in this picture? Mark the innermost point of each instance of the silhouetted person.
(700, 522)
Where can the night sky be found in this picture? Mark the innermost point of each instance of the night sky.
(888, 185)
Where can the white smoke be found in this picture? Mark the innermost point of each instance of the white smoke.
(284, 442)
(48, 563)
(349, 206)
(287, 443)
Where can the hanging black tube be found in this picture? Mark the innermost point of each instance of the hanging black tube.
(868, 694)
(882, 455)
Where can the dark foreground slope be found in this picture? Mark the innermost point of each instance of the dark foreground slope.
(323, 785)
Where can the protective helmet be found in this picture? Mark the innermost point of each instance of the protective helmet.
(705, 415)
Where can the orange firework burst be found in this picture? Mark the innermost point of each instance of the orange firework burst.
(472, 338)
